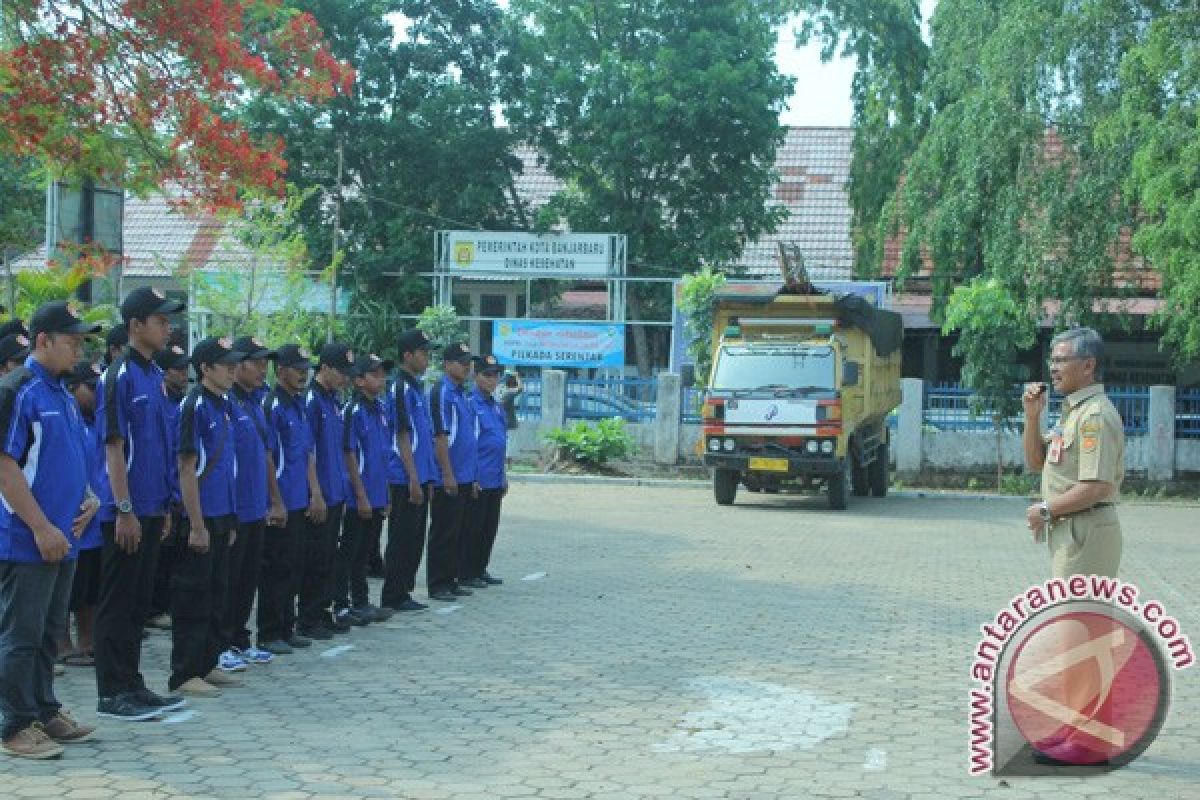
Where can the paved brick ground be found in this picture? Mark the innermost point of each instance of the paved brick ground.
(670, 649)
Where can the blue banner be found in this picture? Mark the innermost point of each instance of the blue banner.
(598, 345)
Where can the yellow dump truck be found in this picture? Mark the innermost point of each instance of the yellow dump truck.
(800, 391)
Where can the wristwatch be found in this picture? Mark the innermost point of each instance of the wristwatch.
(124, 507)
(1044, 511)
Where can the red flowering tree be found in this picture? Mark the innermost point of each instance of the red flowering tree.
(143, 92)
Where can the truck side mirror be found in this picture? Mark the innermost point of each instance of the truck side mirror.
(850, 373)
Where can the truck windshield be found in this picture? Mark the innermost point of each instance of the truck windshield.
(774, 367)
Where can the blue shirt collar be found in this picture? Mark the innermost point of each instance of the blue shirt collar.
(35, 366)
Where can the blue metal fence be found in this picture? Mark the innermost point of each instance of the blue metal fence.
(529, 404)
(948, 408)
(1187, 413)
(690, 404)
(630, 399)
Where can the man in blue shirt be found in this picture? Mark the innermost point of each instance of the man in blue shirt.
(137, 458)
(173, 361)
(483, 511)
(454, 481)
(14, 349)
(366, 446)
(47, 505)
(296, 474)
(208, 482)
(257, 501)
(323, 407)
(411, 470)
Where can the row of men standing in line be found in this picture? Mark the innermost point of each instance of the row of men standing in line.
(273, 496)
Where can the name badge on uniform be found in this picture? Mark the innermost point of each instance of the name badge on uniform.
(1054, 454)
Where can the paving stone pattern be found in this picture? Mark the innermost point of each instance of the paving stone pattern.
(672, 649)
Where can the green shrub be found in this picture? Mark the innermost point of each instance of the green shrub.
(595, 444)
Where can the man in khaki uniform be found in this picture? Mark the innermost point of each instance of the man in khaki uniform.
(1082, 460)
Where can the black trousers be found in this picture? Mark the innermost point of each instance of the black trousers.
(479, 533)
(126, 585)
(358, 540)
(245, 562)
(447, 515)
(160, 601)
(405, 545)
(279, 578)
(199, 589)
(320, 550)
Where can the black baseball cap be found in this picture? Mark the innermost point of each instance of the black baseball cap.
(14, 325)
(118, 336)
(59, 317)
(146, 301)
(215, 350)
(339, 356)
(294, 356)
(172, 357)
(14, 347)
(253, 348)
(84, 372)
(487, 364)
(413, 340)
(457, 352)
(370, 363)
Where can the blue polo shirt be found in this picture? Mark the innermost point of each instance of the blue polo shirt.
(452, 415)
(93, 448)
(252, 435)
(292, 441)
(206, 430)
(409, 410)
(491, 437)
(324, 411)
(366, 438)
(44, 433)
(173, 402)
(132, 409)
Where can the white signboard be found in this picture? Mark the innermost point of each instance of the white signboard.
(528, 254)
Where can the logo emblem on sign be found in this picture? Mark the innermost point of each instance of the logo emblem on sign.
(772, 413)
(464, 253)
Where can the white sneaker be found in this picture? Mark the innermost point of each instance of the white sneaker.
(230, 661)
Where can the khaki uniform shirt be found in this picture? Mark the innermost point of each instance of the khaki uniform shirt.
(1088, 444)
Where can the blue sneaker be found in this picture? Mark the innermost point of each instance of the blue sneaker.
(230, 661)
(252, 655)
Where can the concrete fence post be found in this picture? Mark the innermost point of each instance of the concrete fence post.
(1160, 438)
(908, 431)
(668, 418)
(554, 399)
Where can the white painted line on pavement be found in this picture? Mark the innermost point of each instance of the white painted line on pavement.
(449, 609)
(875, 760)
(180, 716)
(334, 652)
(536, 576)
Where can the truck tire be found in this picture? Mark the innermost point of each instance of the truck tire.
(878, 471)
(839, 485)
(859, 480)
(725, 484)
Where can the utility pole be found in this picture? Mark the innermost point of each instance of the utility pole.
(337, 224)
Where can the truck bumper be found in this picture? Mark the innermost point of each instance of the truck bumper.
(796, 466)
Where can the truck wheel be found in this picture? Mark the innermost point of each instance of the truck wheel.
(839, 486)
(725, 484)
(878, 471)
(859, 481)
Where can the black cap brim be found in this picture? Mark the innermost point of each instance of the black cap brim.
(86, 328)
(169, 307)
(306, 364)
(258, 355)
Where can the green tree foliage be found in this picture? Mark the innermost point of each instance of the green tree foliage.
(699, 309)
(661, 120)
(442, 327)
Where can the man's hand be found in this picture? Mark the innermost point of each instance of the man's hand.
(87, 510)
(317, 510)
(450, 486)
(416, 493)
(277, 515)
(128, 533)
(1033, 400)
(1033, 518)
(51, 543)
(198, 539)
(364, 506)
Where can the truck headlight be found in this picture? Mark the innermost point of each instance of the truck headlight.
(812, 445)
(827, 446)
(714, 444)
(730, 445)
